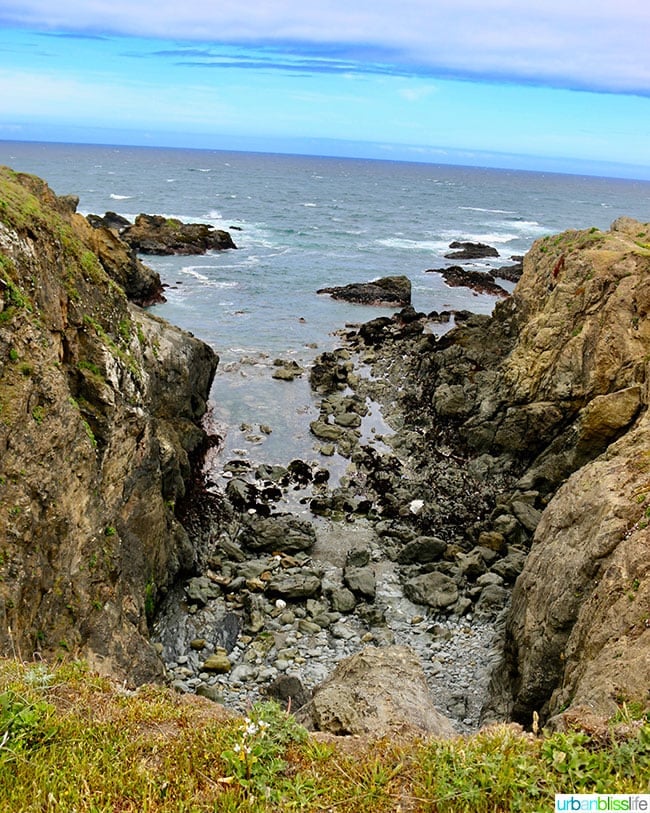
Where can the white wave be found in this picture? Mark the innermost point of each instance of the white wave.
(310, 205)
(214, 214)
(405, 244)
(481, 209)
(191, 271)
(120, 197)
(489, 238)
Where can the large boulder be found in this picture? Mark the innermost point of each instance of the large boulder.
(377, 692)
(281, 532)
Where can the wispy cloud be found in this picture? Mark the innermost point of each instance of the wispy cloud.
(597, 45)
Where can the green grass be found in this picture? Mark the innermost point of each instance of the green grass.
(71, 741)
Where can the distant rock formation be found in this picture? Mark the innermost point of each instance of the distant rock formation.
(390, 291)
(480, 281)
(100, 421)
(154, 234)
(470, 251)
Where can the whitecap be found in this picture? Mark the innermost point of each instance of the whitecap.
(491, 211)
(310, 205)
(120, 197)
(404, 244)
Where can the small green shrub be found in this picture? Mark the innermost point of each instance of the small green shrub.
(256, 747)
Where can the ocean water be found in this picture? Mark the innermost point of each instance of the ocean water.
(301, 223)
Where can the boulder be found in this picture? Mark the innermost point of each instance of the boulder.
(380, 691)
(281, 532)
(390, 291)
(434, 589)
(295, 584)
(422, 549)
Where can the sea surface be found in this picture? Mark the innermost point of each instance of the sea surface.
(301, 223)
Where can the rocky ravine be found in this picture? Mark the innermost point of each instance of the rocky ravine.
(100, 406)
(519, 451)
(517, 444)
(553, 391)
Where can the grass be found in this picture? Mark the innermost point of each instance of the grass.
(71, 741)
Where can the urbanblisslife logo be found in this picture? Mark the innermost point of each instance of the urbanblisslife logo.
(602, 801)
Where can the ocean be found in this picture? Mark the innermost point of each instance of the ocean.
(302, 223)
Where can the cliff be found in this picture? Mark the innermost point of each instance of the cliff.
(100, 404)
(553, 392)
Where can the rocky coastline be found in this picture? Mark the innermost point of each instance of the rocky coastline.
(446, 514)
(460, 481)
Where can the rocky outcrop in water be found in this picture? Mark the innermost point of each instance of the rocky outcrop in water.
(465, 250)
(154, 234)
(480, 281)
(390, 291)
(100, 404)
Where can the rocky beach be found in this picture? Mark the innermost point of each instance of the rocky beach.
(472, 523)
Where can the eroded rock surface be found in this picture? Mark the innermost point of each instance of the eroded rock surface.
(378, 691)
(100, 404)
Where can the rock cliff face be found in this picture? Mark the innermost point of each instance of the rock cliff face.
(554, 390)
(100, 405)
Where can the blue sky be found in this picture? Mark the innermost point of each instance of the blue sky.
(542, 85)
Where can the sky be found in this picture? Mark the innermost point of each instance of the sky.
(558, 85)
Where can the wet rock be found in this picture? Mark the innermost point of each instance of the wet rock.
(480, 281)
(378, 691)
(392, 291)
(329, 373)
(433, 589)
(154, 234)
(282, 532)
(286, 370)
(423, 549)
(326, 431)
(298, 584)
(465, 250)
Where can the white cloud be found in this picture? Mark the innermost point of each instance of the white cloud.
(596, 45)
